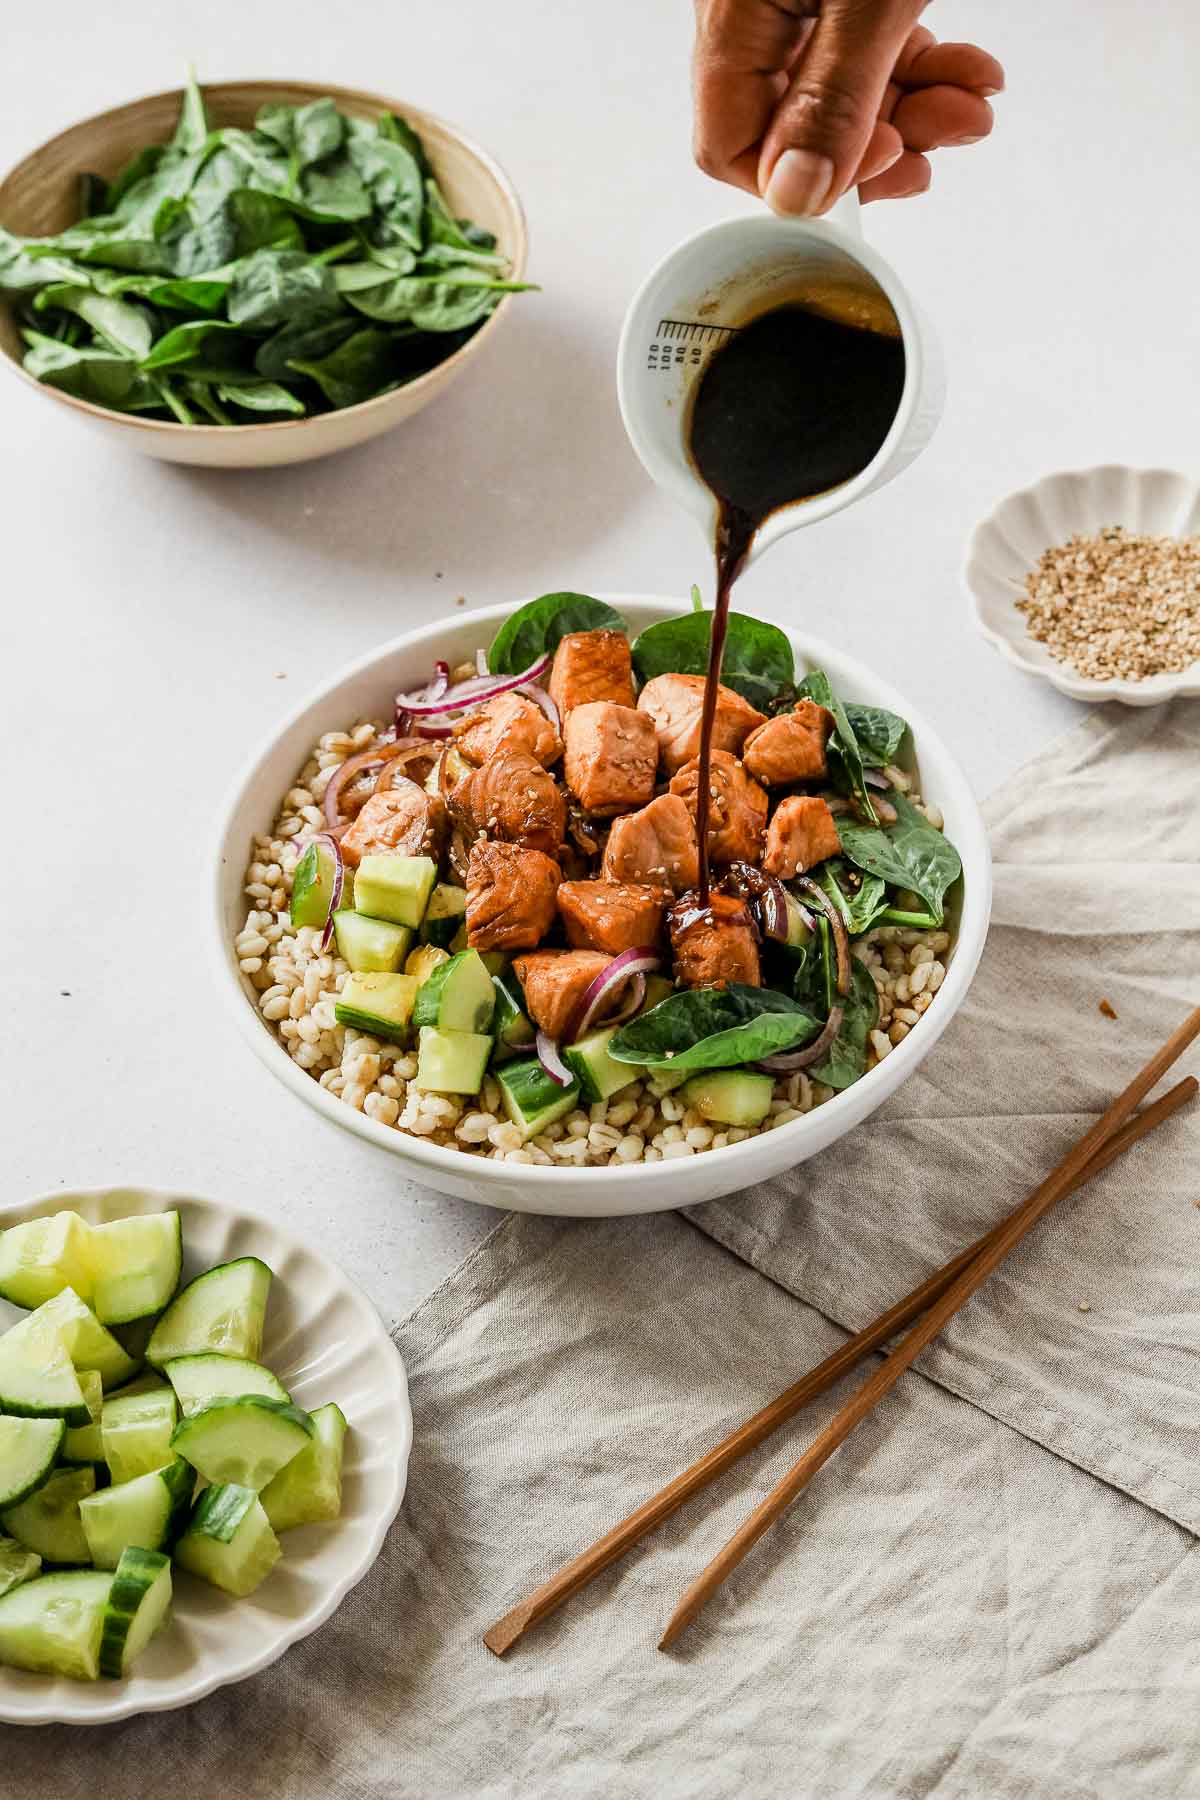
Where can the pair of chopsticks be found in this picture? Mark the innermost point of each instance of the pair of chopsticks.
(931, 1305)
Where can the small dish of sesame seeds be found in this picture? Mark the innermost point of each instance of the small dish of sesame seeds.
(1091, 579)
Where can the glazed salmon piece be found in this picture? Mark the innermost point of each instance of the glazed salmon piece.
(791, 747)
(656, 846)
(610, 758)
(404, 820)
(510, 896)
(554, 983)
(801, 834)
(737, 807)
(714, 944)
(511, 796)
(509, 722)
(675, 703)
(611, 915)
(591, 665)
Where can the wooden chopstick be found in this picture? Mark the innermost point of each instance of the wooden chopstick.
(1059, 1182)
(582, 1569)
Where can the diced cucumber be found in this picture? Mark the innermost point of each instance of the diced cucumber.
(658, 987)
(17, 1564)
(197, 1379)
(138, 1605)
(371, 946)
(92, 1389)
(312, 884)
(52, 1625)
(222, 1310)
(148, 1511)
(245, 1440)
(496, 962)
(136, 1431)
(42, 1257)
(309, 1488)
(510, 1023)
(444, 915)
(229, 1540)
(135, 1335)
(666, 1080)
(29, 1449)
(531, 1100)
(396, 888)
(458, 996)
(599, 1075)
(380, 1004)
(37, 1377)
(88, 1343)
(451, 1062)
(48, 1521)
(83, 1444)
(135, 1265)
(799, 931)
(730, 1096)
(424, 960)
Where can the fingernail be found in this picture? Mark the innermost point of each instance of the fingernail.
(976, 138)
(800, 183)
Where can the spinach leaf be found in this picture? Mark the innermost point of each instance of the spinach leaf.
(354, 371)
(301, 343)
(306, 133)
(124, 328)
(398, 131)
(260, 396)
(139, 166)
(391, 175)
(911, 855)
(847, 1058)
(192, 129)
(713, 1028)
(184, 343)
(879, 732)
(537, 628)
(261, 222)
(275, 287)
(102, 376)
(859, 907)
(842, 748)
(758, 663)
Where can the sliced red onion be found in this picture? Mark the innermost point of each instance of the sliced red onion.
(772, 910)
(806, 918)
(481, 662)
(788, 1061)
(339, 882)
(349, 771)
(440, 682)
(552, 1062)
(541, 698)
(471, 693)
(837, 925)
(641, 960)
(876, 778)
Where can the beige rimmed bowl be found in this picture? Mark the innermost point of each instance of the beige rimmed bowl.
(39, 198)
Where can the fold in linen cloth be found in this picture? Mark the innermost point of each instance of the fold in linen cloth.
(1088, 1338)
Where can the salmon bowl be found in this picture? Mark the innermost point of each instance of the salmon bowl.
(352, 959)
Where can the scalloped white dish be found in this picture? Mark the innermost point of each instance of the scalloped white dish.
(1006, 545)
(325, 1341)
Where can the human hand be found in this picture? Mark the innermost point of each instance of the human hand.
(799, 100)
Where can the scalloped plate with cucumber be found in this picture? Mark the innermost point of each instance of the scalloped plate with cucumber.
(118, 1470)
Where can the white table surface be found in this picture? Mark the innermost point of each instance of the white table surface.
(155, 621)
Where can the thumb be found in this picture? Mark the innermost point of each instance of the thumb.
(823, 124)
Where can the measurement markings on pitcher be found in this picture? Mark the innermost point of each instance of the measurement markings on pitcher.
(684, 342)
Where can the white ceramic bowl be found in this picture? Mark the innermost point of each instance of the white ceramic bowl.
(365, 689)
(1002, 550)
(325, 1341)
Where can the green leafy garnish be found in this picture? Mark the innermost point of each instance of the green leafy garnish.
(879, 733)
(758, 663)
(860, 907)
(847, 1057)
(911, 854)
(843, 749)
(537, 628)
(714, 1028)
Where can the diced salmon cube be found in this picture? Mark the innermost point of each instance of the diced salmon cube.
(714, 944)
(591, 665)
(511, 796)
(676, 702)
(554, 982)
(656, 845)
(611, 757)
(403, 819)
(737, 807)
(611, 915)
(509, 722)
(510, 896)
(790, 747)
(801, 835)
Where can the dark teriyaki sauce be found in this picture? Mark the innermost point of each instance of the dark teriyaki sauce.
(793, 405)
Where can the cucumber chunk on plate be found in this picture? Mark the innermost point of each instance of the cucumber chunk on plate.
(457, 996)
(244, 1440)
(309, 1488)
(510, 1025)
(135, 1266)
(451, 1062)
(531, 1100)
(222, 1310)
(444, 915)
(136, 1429)
(17, 1564)
(48, 1521)
(41, 1257)
(730, 1096)
(52, 1625)
(29, 1449)
(370, 945)
(88, 1343)
(200, 1378)
(84, 1444)
(313, 882)
(37, 1378)
(229, 1540)
(599, 1075)
(379, 1003)
(147, 1513)
(396, 888)
(422, 961)
(138, 1605)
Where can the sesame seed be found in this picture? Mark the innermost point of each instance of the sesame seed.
(1117, 604)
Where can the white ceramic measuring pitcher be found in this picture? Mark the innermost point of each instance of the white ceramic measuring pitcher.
(728, 274)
